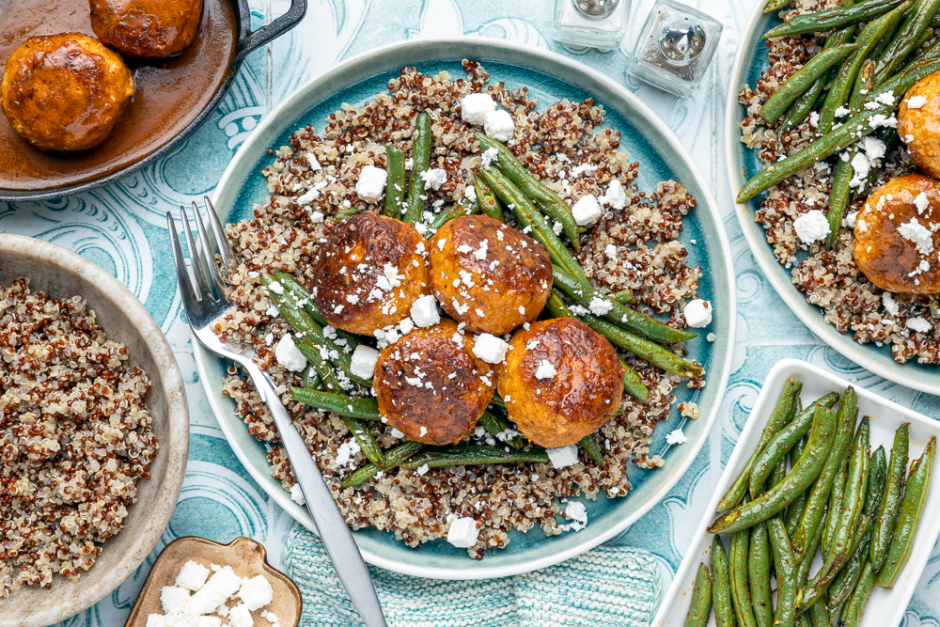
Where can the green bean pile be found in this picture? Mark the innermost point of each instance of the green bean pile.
(875, 47)
(838, 498)
(330, 385)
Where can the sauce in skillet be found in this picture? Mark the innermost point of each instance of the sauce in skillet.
(170, 93)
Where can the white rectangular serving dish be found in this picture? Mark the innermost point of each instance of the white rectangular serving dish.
(886, 607)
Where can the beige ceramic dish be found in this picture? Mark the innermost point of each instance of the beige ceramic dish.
(60, 273)
(244, 555)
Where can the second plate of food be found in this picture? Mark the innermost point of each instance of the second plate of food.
(308, 161)
(891, 332)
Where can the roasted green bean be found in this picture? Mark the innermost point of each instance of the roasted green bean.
(643, 348)
(800, 478)
(906, 40)
(341, 405)
(445, 456)
(912, 506)
(395, 184)
(489, 205)
(497, 427)
(797, 84)
(856, 486)
(701, 606)
(392, 459)
(589, 444)
(420, 161)
(721, 585)
(758, 570)
(778, 448)
(786, 569)
(622, 316)
(819, 495)
(888, 511)
(777, 421)
(831, 19)
(740, 591)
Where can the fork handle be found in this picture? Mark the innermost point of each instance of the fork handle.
(331, 526)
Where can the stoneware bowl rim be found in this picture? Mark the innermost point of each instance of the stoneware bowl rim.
(66, 598)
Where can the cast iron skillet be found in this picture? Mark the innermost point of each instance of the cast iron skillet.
(50, 178)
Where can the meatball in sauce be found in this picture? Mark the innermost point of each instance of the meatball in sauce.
(146, 28)
(560, 381)
(430, 385)
(65, 92)
(489, 276)
(370, 272)
(897, 236)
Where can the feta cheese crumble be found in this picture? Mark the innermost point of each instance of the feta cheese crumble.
(288, 356)
(256, 592)
(490, 348)
(676, 437)
(600, 306)
(434, 178)
(578, 514)
(297, 495)
(563, 456)
(587, 210)
(424, 311)
(371, 184)
(698, 313)
(917, 234)
(918, 324)
(499, 125)
(545, 370)
(614, 196)
(916, 102)
(192, 576)
(811, 226)
(463, 532)
(363, 361)
(474, 107)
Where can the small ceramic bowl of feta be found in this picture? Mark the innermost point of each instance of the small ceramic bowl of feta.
(199, 583)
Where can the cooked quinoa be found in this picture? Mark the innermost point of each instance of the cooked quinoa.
(569, 150)
(74, 437)
(829, 279)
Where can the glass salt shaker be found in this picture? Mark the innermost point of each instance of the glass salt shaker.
(675, 47)
(583, 24)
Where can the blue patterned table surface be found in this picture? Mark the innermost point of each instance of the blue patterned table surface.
(122, 228)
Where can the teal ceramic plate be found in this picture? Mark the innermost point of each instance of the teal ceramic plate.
(550, 78)
(751, 60)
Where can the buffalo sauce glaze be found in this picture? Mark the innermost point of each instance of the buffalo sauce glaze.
(169, 94)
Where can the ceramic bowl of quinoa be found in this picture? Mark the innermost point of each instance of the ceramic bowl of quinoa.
(825, 289)
(94, 433)
(300, 166)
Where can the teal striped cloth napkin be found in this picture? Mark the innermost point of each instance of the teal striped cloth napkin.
(610, 586)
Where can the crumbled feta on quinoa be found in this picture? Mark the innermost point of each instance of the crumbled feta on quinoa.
(463, 532)
(297, 495)
(371, 184)
(918, 324)
(499, 125)
(587, 210)
(615, 196)
(434, 178)
(811, 226)
(698, 313)
(563, 456)
(288, 356)
(474, 107)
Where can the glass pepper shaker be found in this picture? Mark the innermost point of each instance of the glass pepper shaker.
(675, 47)
(583, 24)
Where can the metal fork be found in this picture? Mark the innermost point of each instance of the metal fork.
(206, 303)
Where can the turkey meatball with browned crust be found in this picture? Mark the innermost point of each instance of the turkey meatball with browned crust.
(561, 381)
(430, 385)
(489, 276)
(65, 92)
(370, 272)
(146, 28)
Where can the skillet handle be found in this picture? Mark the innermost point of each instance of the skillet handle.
(257, 39)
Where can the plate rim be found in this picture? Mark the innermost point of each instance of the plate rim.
(738, 457)
(720, 378)
(810, 315)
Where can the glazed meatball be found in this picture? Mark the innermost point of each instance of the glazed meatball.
(919, 123)
(65, 92)
(489, 276)
(431, 387)
(560, 381)
(370, 272)
(146, 28)
(896, 236)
